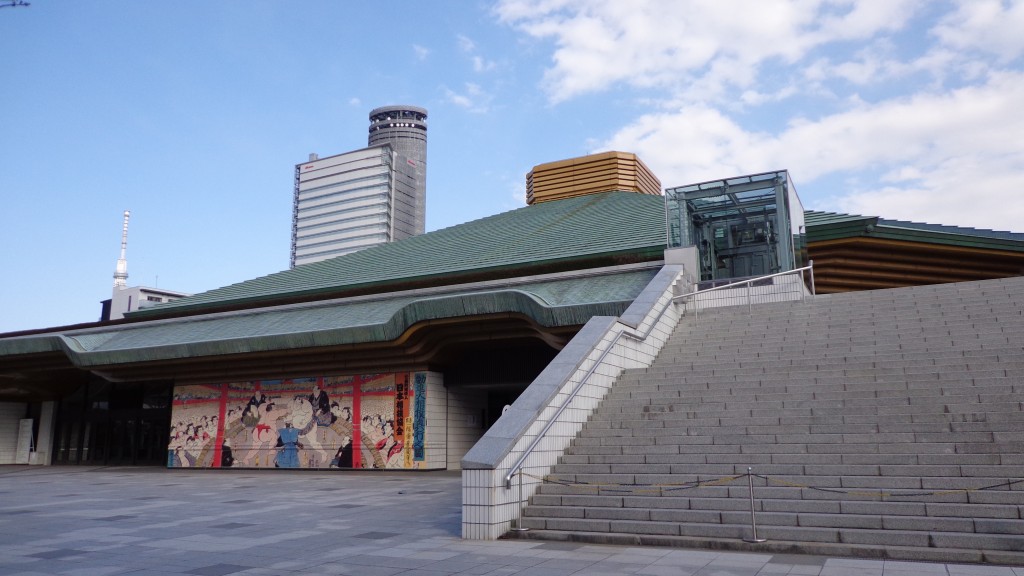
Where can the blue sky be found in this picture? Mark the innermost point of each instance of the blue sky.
(193, 114)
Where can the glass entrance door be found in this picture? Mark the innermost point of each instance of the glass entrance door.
(123, 424)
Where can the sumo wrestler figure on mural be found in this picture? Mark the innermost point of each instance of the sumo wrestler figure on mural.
(361, 421)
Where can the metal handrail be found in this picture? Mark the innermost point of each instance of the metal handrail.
(579, 386)
(749, 281)
(809, 267)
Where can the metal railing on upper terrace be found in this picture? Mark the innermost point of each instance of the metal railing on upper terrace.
(780, 287)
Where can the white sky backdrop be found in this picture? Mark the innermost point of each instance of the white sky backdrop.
(193, 115)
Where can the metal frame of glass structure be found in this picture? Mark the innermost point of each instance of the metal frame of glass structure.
(742, 227)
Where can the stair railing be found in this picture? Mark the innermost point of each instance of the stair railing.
(748, 284)
(622, 333)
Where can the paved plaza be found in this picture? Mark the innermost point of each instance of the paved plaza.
(86, 521)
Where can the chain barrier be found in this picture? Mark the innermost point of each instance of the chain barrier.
(635, 487)
(663, 488)
(639, 487)
(889, 494)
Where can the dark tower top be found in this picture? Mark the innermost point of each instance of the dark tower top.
(405, 129)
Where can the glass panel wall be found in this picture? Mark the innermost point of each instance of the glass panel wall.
(742, 227)
(109, 423)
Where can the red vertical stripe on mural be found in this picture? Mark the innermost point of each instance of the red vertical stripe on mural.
(219, 441)
(357, 434)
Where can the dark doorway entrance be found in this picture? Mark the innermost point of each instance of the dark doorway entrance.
(107, 423)
(500, 371)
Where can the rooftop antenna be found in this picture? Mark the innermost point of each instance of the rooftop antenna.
(121, 273)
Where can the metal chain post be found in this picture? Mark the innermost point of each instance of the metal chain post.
(753, 525)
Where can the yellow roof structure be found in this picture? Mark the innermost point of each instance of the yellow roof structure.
(604, 172)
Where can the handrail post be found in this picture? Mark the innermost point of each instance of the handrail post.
(811, 268)
(519, 519)
(753, 525)
(802, 285)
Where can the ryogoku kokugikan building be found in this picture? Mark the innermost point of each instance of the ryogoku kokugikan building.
(396, 356)
(403, 354)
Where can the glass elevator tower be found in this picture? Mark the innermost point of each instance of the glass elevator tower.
(742, 227)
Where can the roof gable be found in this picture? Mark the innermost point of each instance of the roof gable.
(573, 229)
(822, 226)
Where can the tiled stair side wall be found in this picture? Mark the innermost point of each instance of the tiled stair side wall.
(489, 508)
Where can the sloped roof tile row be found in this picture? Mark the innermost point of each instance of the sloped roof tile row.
(548, 302)
(607, 223)
(824, 223)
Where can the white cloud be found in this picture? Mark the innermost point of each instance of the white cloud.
(465, 43)
(909, 108)
(952, 158)
(460, 100)
(473, 98)
(468, 46)
(992, 26)
(482, 65)
(693, 48)
(420, 52)
(355, 101)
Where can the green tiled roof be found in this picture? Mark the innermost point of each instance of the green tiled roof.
(566, 301)
(601, 224)
(822, 226)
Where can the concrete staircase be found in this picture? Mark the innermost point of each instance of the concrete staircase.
(884, 424)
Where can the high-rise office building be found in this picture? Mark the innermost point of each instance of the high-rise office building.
(351, 201)
(366, 197)
(405, 128)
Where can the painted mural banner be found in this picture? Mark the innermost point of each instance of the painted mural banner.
(361, 421)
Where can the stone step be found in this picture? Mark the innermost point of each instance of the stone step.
(982, 513)
(776, 546)
(676, 408)
(852, 476)
(971, 462)
(859, 378)
(828, 355)
(871, 475)
(892, 417)
(780, 498)
(793, 322)
(811, 336)
(880, 521)
(619, 428)
(607, 424)
(707, 445)
(793, 325)
(705, 366)
(680, 408)
(828, 534)
(606, 418)
(1003, 403)
(823, 347)
(985, 390)
(835, 372)
(896, 443)
(667, 369)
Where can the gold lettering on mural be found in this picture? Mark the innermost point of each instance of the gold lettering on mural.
(407, 442)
